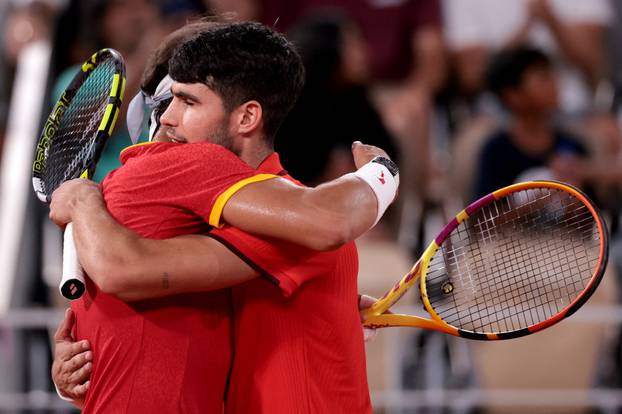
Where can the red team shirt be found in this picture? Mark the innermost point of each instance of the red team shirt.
(297, 340)
(170, 355)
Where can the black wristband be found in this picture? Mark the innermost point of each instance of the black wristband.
(391, 166)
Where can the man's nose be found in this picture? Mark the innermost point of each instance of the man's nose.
(168, 118)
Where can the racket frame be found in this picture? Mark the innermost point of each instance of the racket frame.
(106, 126)
(375, 316)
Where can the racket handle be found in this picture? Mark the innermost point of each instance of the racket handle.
(72, 283)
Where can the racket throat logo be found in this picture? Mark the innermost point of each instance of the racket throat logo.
(49, 130)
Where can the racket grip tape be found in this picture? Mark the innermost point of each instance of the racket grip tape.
(72, 282)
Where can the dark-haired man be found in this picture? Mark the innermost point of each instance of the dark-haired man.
(309, 320)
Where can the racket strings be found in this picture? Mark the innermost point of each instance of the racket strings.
(515, 263)
(73, 146)
(504, 297)
(511, 296)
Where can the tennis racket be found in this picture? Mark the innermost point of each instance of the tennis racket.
(512, 263)
(72, 141)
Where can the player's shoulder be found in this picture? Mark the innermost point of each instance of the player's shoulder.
(181, 153)
(200, 153)
(143, 149)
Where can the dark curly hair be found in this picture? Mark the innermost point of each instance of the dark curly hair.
(507, 68)
(242, 62)
(156, 67)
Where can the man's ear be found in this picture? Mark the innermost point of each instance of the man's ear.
(248, 118)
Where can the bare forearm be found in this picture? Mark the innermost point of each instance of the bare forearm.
(321, 218)
(582, 44)
(130, 267)
(429, 51)
(180, 265)
(349, 201)
(107, 251)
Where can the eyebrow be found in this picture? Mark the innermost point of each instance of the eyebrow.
(185, 95)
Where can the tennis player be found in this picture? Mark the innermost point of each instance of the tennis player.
(265, 376)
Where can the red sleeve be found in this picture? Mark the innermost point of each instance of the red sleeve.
(204, 177)
(286, 264)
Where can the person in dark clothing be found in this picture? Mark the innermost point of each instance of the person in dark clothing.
(333, 109)
(524, 80)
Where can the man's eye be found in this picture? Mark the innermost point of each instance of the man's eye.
(161, 108)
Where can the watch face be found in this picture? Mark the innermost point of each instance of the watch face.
(391, 166)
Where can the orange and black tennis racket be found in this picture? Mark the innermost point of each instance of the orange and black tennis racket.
(510, 264)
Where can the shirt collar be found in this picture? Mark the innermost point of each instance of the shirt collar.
(272, 165)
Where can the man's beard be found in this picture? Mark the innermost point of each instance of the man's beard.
(221, 137)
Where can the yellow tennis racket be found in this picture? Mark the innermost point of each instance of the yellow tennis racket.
(510, 264)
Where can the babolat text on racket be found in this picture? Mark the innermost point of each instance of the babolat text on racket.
(73, 138)
(512, 263)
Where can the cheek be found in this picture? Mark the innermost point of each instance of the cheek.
(548, 93)
(542, 91)
(196, 125)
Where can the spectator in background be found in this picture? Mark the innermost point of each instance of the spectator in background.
(333, 110)
(407, 62)
(404, 36)
(573, 32)
(524, 80)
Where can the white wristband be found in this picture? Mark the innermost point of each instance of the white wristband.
(381, 182)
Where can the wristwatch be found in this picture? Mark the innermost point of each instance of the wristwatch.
(391, 166)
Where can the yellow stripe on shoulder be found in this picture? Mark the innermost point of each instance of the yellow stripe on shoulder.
(216, 213)
(138, 145)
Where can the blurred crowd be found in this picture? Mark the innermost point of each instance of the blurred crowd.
(467, 95)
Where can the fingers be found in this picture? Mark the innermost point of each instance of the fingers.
(67, 195)
(66, 351)
(359, 146)
(71, 376)
(363, 153)
(73, 361)
(366, 301)
(63, 333)
(78, 362)
(369, 334)
(79, 391)
(82, 374)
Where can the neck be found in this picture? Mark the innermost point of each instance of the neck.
(533, 134)
(253, 152)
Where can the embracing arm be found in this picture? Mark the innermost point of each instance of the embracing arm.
(124, 264)
(320, 218)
